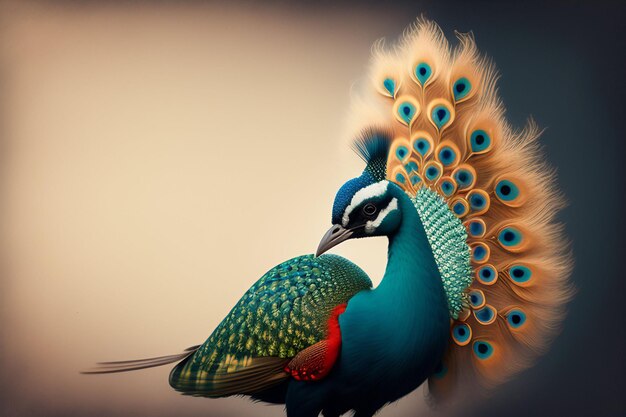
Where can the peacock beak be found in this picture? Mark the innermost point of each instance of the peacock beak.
(335, 235)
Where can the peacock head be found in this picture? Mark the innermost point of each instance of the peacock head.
(367, 205)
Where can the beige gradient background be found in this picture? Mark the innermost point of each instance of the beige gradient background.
(156, 160)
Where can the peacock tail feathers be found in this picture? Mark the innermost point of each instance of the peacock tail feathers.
(450, 136)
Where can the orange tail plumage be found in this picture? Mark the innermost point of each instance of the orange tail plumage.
(450, 135)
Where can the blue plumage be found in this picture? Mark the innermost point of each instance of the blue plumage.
(440, 116)
(520, 274)
(483, 349)
(345, 193)
(516, 318)
(507, 190)
(480, 141)
(422, 146)
(407, 111)
(461, 88)
(423, 72)
(390, 86)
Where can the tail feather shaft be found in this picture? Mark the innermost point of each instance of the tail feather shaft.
(137, 364)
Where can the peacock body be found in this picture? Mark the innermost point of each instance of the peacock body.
(476, 279)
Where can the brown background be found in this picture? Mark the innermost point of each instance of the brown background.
(157, 161)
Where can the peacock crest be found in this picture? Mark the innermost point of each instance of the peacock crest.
(450, 137)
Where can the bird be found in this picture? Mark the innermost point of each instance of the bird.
(477, 277)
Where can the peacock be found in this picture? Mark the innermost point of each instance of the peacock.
(476, 281)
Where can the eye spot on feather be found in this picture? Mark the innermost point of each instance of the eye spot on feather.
(485, 315)
(406, 109)
(508, 192)
(440, 113)
(487, 274)
(432, 172)
(476, 299)
(448, 187)
(447, 156)
(460, 207)
(461, 88)
(461, 334)
(516, 318)
(520, 274)
(390, 86)
(482, 349)
(480, 252)
(476, 228)
(464, 177)
(422, 146)
(440, 116)
(411, 166)
(402, 152)
(477, 202)
(400, 178)
(511, 238)
(480, 141)
(423, 71)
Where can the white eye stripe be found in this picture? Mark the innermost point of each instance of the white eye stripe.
(371, 225)
(374, 190)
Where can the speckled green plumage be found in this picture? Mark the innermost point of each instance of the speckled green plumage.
(448, 239)
(284, 312)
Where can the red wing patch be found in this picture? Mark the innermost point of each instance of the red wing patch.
(316, 361)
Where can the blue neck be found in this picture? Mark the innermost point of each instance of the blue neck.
(399, 331)
(411, 267)
(411, 290)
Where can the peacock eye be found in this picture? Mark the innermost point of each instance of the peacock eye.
(369, 209)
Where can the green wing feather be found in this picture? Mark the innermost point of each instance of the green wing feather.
(283, 313)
